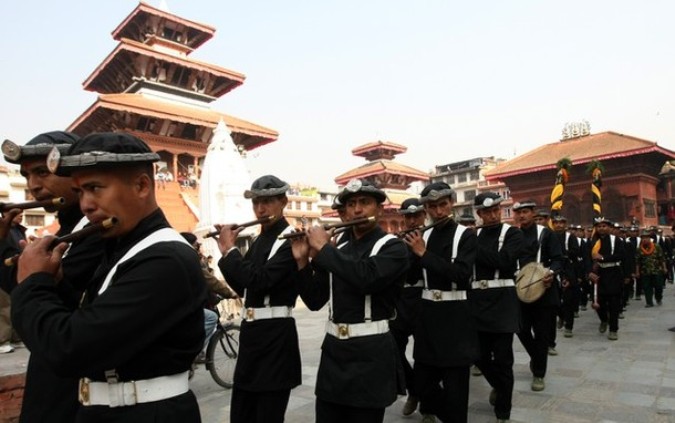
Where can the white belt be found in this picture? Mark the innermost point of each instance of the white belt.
(277, 312)
(436, 295)
(418, 284)
(121, 394)
(607, 265)
(353, 330)
(493, 283)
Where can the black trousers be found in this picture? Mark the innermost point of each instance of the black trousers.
(610, 307)
(496, 363)
(328, 412)
(450, 403)
(401, 337)
(570, 303)
(534, 335)
(258, 407)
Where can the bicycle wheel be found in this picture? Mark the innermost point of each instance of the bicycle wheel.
(222, 353)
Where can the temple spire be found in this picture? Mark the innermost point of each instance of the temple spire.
(163, 6)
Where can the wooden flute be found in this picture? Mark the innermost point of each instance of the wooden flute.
(72, 237)
(422, 229)
(260, 221)
(329, 226)
(5, 207)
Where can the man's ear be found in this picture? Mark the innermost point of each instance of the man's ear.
(143, 184)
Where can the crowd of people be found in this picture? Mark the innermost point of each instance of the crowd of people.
(115, 319)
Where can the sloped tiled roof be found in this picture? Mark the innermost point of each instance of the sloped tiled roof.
(381, 166)
(205, 31)
(130, 46)
(145, 106)
(601, 146)
(398, 148)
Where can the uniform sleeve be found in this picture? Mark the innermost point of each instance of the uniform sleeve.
(505, 259)
(243, 274)
(553, 251)
(461, 269)
(149, 294)
(7, 273)
(313, 287)
(367, 275)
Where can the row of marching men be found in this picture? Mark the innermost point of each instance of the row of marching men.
(451, 287)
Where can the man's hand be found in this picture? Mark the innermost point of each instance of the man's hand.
(300, 248)
(416, 243)
(37, 257)
(317, 237)
(593, 277)
(6, 222)
(227, 237)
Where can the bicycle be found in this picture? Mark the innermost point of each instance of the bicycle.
(222, 353)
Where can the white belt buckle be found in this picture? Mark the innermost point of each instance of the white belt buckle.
(437, 295)
(484, 284)
(250, 314)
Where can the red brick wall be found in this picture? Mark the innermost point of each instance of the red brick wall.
(11, 396)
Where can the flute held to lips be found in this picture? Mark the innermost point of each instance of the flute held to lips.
(422, 229)
(74, 236)
(260, 221)
(59, 201)
(330, 226)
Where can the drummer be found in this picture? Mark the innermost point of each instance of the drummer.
(538, 311)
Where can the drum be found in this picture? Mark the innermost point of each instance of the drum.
(530, 282)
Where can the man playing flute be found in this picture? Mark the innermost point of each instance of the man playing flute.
(49, 397)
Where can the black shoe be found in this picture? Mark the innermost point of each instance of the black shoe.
(658, 302)
(672, 329)
(649, 305)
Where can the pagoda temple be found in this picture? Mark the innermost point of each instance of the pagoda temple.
(150, 86)
(382, 171)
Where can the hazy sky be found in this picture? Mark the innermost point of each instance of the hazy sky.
(451, 80)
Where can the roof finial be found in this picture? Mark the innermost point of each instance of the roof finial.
(163, 6)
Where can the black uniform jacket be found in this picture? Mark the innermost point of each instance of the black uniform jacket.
(631, 246)
(269, 355)
(551, 257)
(148, 323)
(497, 310)
(408, 300)
(361, 371)
(48, 397)
(611, 278)
(569, 246)
(445, 335)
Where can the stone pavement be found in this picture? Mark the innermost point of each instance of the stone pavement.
(592, 380)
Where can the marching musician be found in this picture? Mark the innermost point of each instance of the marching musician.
(494, 301)
(446, 342)
(49, 397)
(268, 366)
(468, 220)
(632, 243)
(141, 324)
(539, 246)
(569, 244)
(607, 255)
(408, 303)
(359, 372)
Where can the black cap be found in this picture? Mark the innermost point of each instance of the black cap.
(411, 206)
(559, 218)
(527, 204)
(337, 205)
(436, 191)
(101, 150)
(487, 199)
(542, 213)
(466, 218)
(602, 219)
(40, 146)
(266, 186)
(361, 186)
